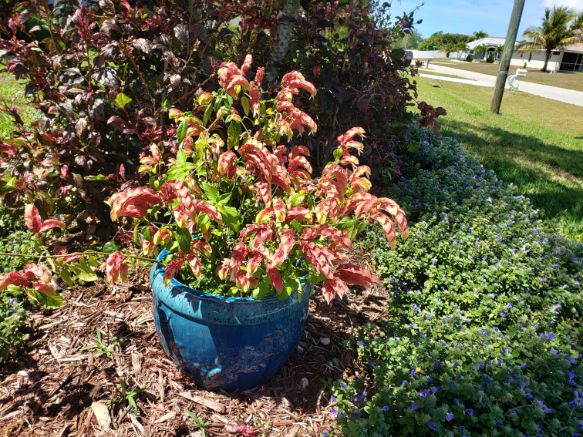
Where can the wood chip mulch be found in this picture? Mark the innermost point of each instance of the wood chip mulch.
(61, 385)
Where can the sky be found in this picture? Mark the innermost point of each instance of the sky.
(468, 16)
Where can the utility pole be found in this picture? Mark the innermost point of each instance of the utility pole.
(507, 55)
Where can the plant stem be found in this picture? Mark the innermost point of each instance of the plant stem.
(64, 255)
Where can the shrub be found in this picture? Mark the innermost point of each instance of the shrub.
(14, 238)
(17, 242)
(12, 318)
(483, 304)
(490, 58)
(470, 58)
(242, 187)
(105, 74)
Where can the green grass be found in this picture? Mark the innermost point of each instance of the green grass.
(435, 73)
(12, 94)
(535, 143)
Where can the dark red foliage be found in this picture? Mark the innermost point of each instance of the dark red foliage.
(105, 75)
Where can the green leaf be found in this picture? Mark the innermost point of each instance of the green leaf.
(233, 135)
(211, 192)
(297, 199)
(184, 239)
(207, 114)
(245, 104)
(181, 131)
(47, 300)
(199, 146)
(231, 217)
(265, 289)
(84, 272)
(99, 177)
(290, 284)
(121, 100)
(110, 247)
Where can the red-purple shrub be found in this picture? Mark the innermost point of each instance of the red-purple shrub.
(105, 76)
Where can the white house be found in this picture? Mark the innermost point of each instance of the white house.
(492, 43)
(569, 58)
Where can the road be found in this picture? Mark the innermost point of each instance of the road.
(485, 80)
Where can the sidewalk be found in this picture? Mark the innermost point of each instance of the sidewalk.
(479, 79)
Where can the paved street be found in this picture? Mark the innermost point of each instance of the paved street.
(479, 79)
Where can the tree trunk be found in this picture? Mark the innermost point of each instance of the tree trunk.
(283, 35)
(547, 57)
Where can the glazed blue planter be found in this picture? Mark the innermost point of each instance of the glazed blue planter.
(230, 344)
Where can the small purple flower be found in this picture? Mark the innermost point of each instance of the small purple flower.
(332, 398)
(449, 417)
(502, 314)
(413, 406)
(360, 343)
(356, 414)
(432, 426)
(523, 366)
(12, 310)
(469, 412)
(528, 396)
(456, 401)
(11, 300)
(361, 397)
(544, 407)
(547, 336)
(386, 408)
(424, 393)
(334, 412)
(413, 372)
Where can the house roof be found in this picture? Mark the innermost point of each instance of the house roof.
(488, 41)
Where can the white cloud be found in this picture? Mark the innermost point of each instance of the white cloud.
(575, 4)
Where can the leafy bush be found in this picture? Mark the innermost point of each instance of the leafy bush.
(19, 242)
(241, 186)
(14, 238)
(12, 317)
(105, 74)
(470, 58)
(490, 59)
(484, 336)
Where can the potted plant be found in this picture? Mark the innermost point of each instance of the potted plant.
(242, 231)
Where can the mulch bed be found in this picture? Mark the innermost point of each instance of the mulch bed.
(60, 386)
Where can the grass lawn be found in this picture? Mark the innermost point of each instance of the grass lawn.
(535, 143)
(12, 93)
(572, 81)
(435, 73)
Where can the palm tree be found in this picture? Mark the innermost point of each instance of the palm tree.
(480, 34)
(560, 26)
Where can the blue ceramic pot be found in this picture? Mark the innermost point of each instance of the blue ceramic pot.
(224, 343)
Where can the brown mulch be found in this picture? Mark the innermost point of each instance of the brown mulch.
(60, 386)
